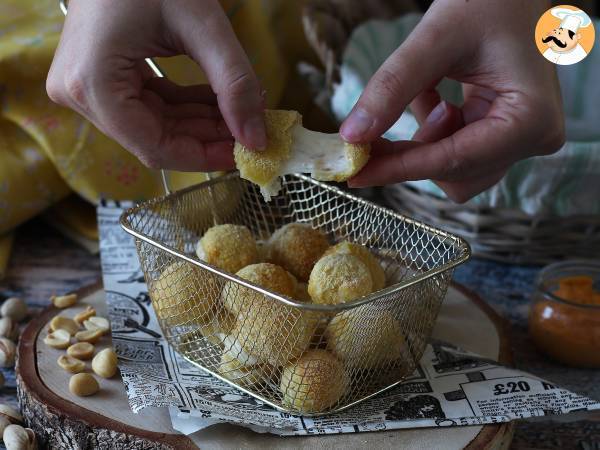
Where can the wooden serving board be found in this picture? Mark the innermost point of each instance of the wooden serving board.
(105, 421)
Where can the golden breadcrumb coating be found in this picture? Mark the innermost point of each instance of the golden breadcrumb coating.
(365, 337)
(264, 167)
(339, 278)
(297, 247)
(228, 247)
(273, 333)
(177, 296)
(357, 156)
(242, 374)
(363, 253)
(314, 383)
(237, 298)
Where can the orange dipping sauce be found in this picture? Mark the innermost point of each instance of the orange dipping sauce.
(564, 320)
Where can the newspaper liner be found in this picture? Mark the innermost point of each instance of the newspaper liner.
(450, 386)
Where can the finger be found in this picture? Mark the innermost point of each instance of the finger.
(226, 66)
(383, 146)
(137, 122)
(444, 120)
(175, 94)
(145, 70)
(472, 151)
(413, 67)
(202, 129)
(432, 131)
(190, 110)
(188, 154)
(461, 191)
(424, 103)
(478, 102)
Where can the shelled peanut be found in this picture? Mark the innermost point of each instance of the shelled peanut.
(83, 384)
(64, 301)
(16, 437)
(12, 311)
(87, 329)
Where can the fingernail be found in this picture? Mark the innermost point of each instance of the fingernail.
(437, 113)
(255, 134)
(356, 125)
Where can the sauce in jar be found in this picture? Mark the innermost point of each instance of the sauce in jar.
(564, 320)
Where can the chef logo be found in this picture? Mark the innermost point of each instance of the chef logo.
(565, 35)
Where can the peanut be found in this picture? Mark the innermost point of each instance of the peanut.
(8, 351)
(84, 315)
(97, 323)
(104, 363)
(59, 339)
(71, 364)
(63, 301)
(15, 308)
(18, 438)
(91, 336)
(4, 422)
(64, 323)
(10, 413)
(8, 328)
(83, 384)
(81, 350)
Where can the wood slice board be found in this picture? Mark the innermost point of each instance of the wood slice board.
(105, 421)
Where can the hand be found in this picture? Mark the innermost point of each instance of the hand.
(99, 71)
(512, 106)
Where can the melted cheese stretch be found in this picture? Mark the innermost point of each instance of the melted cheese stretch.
(319, 154)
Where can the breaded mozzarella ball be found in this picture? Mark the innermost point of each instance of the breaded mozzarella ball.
(313, 383)
(228, 247)
(297, 247)
(339, 278)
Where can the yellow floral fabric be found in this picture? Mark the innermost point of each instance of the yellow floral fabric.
(47, 152)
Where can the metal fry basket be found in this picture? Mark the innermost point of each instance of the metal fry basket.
(299, 357)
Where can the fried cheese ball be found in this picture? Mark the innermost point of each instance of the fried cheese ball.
(228, 247)
(365, 337)
(363, 253)
(238, 299)
(297, 247)
(292, 148)
(315, 382)
(184, 293)
(242, 374)
(339, 278)
(274, 335)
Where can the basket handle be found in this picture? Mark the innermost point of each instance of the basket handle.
(63, 5)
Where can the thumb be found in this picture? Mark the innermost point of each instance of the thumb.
(421, 60)
(207, 36)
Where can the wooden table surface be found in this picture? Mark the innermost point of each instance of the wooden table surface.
(44, 263)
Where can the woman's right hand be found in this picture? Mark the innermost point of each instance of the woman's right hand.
(100, 72)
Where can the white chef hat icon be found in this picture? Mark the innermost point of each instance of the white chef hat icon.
(570, 19)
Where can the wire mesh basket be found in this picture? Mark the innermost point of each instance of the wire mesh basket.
(297, 356)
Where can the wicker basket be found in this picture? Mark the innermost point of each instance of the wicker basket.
(503, 234)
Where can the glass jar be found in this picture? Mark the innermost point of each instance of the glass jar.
(564, 319)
